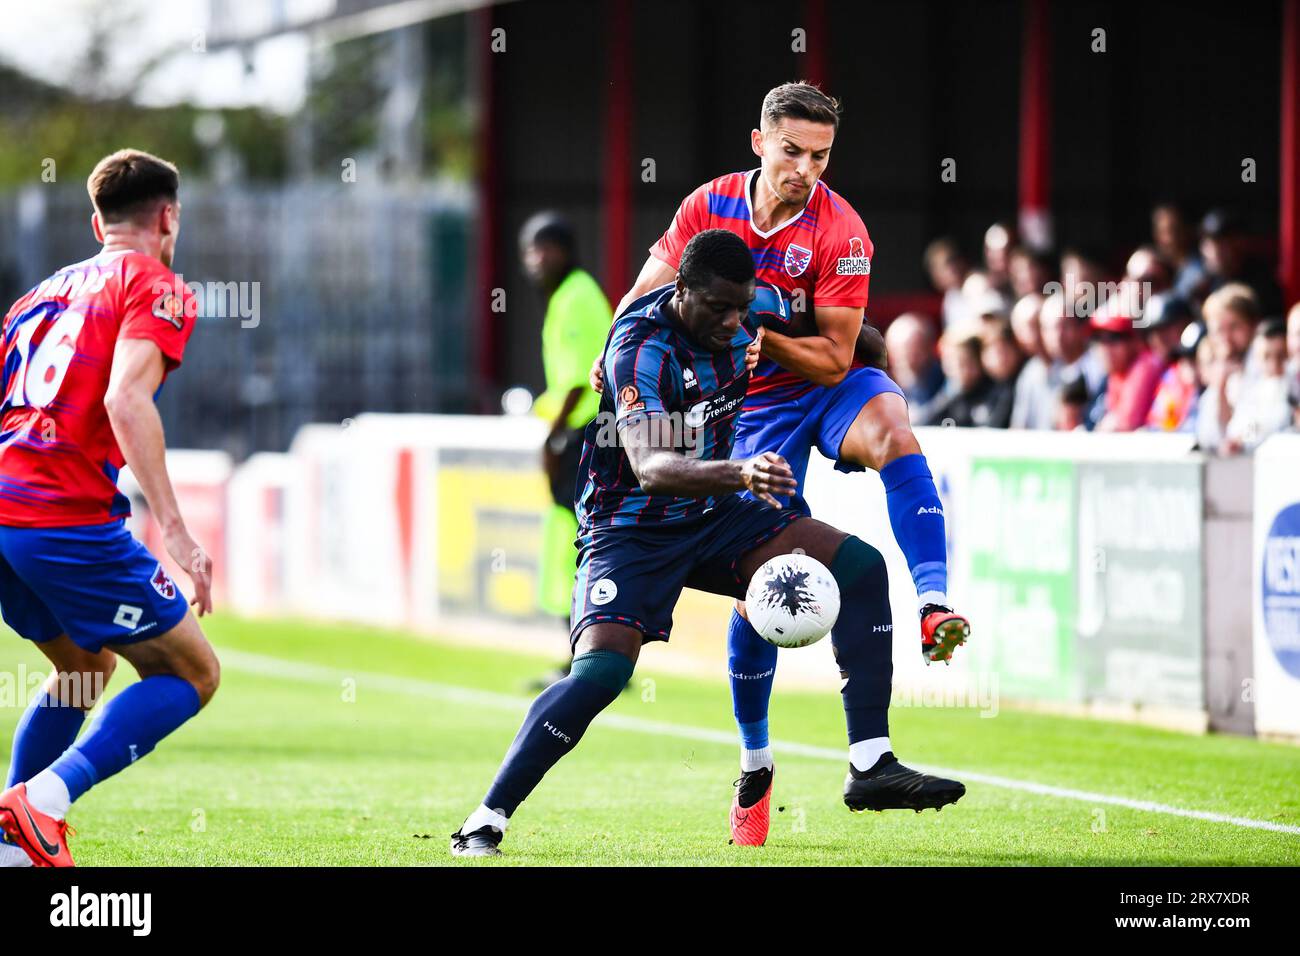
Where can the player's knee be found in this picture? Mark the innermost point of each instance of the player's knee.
(607, 668)
(857, 565)
(207, 679)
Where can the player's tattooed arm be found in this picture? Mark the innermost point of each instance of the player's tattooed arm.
(133, 380)
(824, 358)
(662, 469)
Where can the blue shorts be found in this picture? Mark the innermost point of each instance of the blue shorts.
(821, 417)
(95, 583)
(633, 574)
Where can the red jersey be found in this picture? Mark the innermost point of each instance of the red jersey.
(823, 252)
(58, 456)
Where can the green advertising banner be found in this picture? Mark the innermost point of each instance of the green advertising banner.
(1021, 540)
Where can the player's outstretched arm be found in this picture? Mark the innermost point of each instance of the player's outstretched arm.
(824, 358)
(662, 469)
(129, 400)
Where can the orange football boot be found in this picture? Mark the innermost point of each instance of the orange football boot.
(942, 632)
(751, 807)
(44, 838)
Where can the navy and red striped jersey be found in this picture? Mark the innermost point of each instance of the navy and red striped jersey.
(654, 370)
(822, 254)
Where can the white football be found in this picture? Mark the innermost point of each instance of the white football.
(792, 600)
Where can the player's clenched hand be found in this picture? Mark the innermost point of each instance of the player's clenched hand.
(752, 351)
(597, 375)
(186, 552)
(766, 475)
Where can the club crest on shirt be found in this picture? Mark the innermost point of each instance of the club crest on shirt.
(856, 263)
(169, 308)
(796, 259)
(627, 397)
(163, 584)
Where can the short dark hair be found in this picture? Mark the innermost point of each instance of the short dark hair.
(715, 252)
(802, 100)
(1272, 329)
(550, 227)
(1074, 391)
(124, 183)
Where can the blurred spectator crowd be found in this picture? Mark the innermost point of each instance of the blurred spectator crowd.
(1190, 337)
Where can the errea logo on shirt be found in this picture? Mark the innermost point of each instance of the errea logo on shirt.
(857, 262)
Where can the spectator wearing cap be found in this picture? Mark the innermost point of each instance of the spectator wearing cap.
(1164, 318)
(1132, 372)
(1068, 356)
(1174, 407)
(948, 269)
(1225, 247)
(914, 365)
(970, 388)
(1175, 240)
(1262, 406)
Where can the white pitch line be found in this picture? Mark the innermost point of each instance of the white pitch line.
(416, 687)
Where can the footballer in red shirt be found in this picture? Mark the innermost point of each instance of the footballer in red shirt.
(809, 390)
(85, 355)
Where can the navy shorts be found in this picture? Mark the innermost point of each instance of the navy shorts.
(633, 574)
(95, 583)
(819, 418)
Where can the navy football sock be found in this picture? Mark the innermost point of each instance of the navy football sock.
(751, 666)
(863, 638)
(130, 726)
(555, 723)
(916, 515)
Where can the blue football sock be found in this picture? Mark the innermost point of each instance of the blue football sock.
(863, 638)
(751, 665)
(130, 726)
(916, 515)
(555, 723)
(45, 730)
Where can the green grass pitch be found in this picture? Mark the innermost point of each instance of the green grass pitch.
(343, 745)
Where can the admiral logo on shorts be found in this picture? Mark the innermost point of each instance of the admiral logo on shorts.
(857, 262)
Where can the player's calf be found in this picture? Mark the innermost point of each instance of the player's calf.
(604, 658)
(179, 674)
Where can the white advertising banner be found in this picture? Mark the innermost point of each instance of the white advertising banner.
(1276, 584)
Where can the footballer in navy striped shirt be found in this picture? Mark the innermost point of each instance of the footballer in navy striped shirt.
(661, 511)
